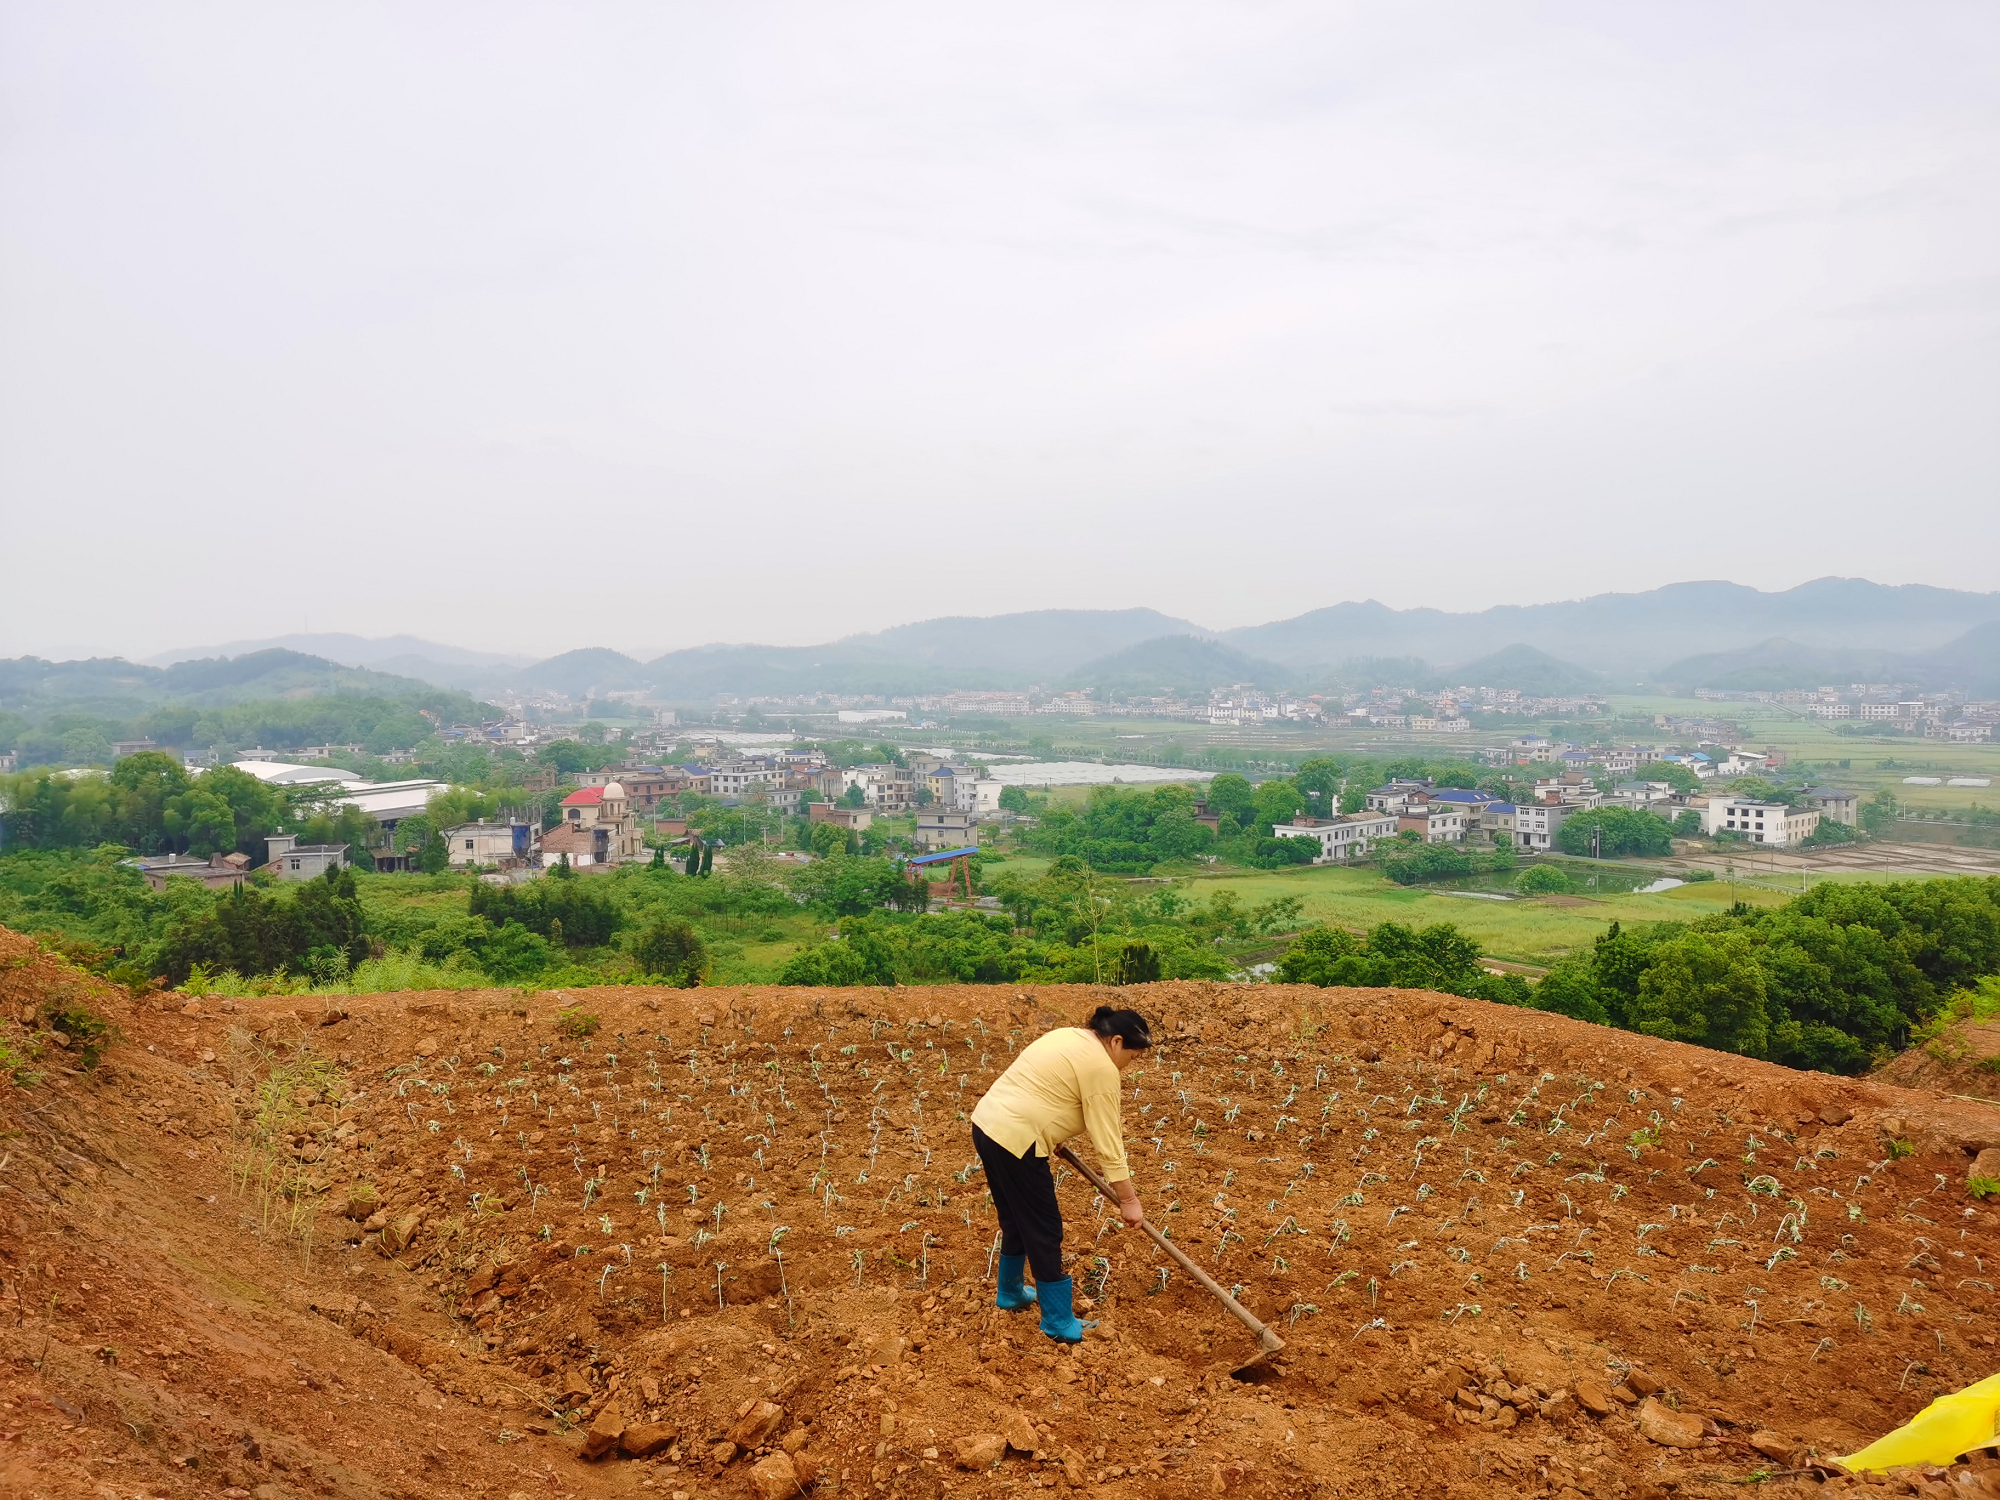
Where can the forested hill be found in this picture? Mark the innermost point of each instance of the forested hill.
(27, 681)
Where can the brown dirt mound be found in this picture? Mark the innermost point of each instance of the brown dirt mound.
(426, 1245)
(1962, 1059)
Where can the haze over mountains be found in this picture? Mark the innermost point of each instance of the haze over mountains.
(1684, 635)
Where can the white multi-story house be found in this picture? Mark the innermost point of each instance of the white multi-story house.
(1340, 839)
(1394, 796)
(1760, 822)
(1571, 788)
(1536, 824)
(734, 778)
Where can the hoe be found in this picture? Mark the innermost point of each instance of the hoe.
(1268, 1343)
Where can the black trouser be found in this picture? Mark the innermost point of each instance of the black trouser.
(1024, 1195)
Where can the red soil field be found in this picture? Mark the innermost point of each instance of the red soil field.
(732, 1242)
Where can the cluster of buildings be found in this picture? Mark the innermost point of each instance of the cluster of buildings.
(1937, 716)
(1455, 815)
(1705, 759)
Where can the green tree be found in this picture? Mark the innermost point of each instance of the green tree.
(1687, 824)
(1277, 802)
(1314, 953)
(670, 949)
(1231, 796)
(1879, 813)
(1622, 830)
(1676, 775)
(1570, 989)
(199, 821)
(1136, 963)
(833, 838)
(1176, 835)
(513, 954)
(1015, 799)
(1707, 988)
(1273, 854)
(1319, 781)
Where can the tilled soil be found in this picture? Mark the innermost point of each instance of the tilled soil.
(732, 1242)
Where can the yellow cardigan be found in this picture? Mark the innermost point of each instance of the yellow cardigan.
(1061, 1085)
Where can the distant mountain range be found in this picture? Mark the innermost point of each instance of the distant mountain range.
(1970, 663)
(1708, 634)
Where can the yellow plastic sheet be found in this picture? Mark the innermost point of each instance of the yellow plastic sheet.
(1949, 1426)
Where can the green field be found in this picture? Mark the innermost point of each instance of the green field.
(1536, 932)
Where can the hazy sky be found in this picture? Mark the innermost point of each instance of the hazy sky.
(642, 325)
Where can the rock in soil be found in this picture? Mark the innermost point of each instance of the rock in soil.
(1593, 1398)
(1667, 1427)
(754, 1428)
(979, 1450)
(1773, 1445)
(603, 1434)
(1018, 1430)
(646, 1439)
(774, 1478)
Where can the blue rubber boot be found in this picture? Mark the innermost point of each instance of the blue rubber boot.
(1058, 1321)
(1011, 1294)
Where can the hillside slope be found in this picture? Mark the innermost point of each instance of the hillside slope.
(617, 1221)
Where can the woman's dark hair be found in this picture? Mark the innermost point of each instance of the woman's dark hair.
(1107, 1022)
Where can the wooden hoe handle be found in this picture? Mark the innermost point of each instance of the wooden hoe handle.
(1267, 1341)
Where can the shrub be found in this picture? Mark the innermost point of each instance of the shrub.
(830, 964)
(1312, 955)
(1542, 880)
(1272, 854)
(576, 1024)
(671, 950)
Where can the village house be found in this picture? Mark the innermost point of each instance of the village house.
(938, 829)
(1570, 788)
(1536, 824)
(501, 844)
(1836, 806)
(598, 828)
(1343, 838)
(1773, 823)
(219, 872)
(1392, 796)
(291, 860)
(1433, 822)
(856, 818)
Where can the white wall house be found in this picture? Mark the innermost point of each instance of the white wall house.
(1537, 823)
(1760, 822)
(1343, 838)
